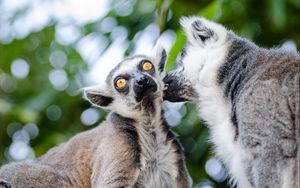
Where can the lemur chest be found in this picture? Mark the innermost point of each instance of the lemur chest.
(158, 161)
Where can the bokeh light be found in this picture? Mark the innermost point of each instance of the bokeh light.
(59, 79)
(21, 136)
(19, 151)
(54, 112)
(32, 130)
(90, 116)
(7, 83)
(58, 59)
(174, 112)
(66, 34)
(20, 68)
(215, 169)
(13, 127)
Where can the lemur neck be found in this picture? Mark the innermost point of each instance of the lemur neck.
(152, 114)
(149, 119)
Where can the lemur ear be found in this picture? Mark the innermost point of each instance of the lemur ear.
(98, 96)
(161, 57)
(201, 30)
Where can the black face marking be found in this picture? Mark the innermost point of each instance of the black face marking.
(99, 99)
(124, 89)
(143, 86)
(140, 67)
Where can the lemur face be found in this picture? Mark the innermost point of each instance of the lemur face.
(133, 86)
(206, 47)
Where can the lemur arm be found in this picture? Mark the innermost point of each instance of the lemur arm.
(183, 180)
(116, 167)
(23, 174)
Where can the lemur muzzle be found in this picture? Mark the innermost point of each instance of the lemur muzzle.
(143, 86)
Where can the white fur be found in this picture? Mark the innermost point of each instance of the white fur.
(201, 65)
(289, 177)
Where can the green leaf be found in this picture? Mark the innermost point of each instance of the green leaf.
(211, 11)
(175, 50)
(278, 13)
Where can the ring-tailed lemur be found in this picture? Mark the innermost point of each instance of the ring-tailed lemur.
(250, 98)
(134, 147)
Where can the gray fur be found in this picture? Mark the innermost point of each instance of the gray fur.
(268, 117)
(261, 87)
(138, 150)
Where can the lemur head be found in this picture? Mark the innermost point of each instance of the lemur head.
(133, 88)
(206, 48)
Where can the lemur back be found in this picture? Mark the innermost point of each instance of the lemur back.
(134, 147)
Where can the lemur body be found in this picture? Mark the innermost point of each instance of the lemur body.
(134, 147)
(250, 98)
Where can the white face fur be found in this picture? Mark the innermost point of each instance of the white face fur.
(125, 101)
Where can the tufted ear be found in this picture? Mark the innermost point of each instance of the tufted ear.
(160, 57)
(98, 95)
(202, 31)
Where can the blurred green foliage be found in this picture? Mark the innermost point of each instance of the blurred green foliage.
(33, 99)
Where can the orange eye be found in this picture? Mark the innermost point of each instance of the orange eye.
(147, 65)
(120, 83)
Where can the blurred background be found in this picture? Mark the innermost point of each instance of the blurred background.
(50, 49)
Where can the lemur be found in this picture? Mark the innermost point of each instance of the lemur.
(134, 147)
(250, 98)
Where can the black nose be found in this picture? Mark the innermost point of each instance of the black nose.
(144, 85)
(142, 81)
